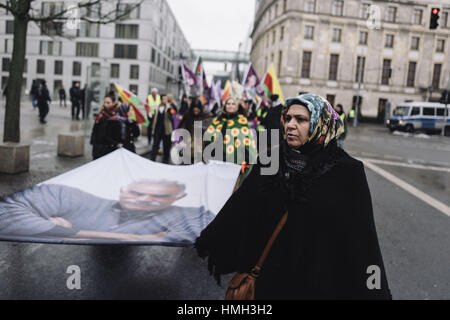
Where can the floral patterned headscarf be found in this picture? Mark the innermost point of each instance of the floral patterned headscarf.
(326, 124)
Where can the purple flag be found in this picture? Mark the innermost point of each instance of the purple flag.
(189, 78)
(251, 82)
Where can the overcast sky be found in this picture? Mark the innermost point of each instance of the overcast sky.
(214, 24)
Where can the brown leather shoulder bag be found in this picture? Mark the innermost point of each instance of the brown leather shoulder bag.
(242, 286)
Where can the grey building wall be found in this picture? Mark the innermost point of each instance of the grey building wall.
(293, 17)
(158, 31)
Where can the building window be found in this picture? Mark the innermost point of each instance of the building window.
(436, 75)
(115, 70)
(280, 61)
(360, 65)
(86, 49)
(9, 45)
(95, 69)
(306, 64)
(93, 11)
(281, 33)
(5, 64)
(391, 14)
(125, 51)
(310, 6)
(274, 33)
(440, 47)
(40, 67)
(153, 55)
(58, 67)
(76, 68)
(338, 8)
(365, 10)
(284, 6)
(334, 61)
(10, 27)
(417, 17)
(411, 74)
(363, 35)
(51, 8)
(389, 41)
(331, 98)
(123, 11)
(386, 71)
(309, 32)
(127, 31)
(336, 35)
(415, 42)
(88, 30)
(445, 22)
(57, 84)
(51, 28)
(134, 88)
(46, 48)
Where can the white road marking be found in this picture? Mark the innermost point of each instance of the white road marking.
(442, 207)
(407, 165)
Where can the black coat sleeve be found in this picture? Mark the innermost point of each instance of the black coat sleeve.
(221, 240)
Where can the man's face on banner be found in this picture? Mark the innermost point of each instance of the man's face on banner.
(150, 195)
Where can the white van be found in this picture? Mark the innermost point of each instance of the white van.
(425, 116)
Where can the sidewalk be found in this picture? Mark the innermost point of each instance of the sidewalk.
(43, 140)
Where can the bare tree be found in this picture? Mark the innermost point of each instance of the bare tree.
(24, 13)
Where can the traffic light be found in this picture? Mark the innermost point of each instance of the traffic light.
(434, 17)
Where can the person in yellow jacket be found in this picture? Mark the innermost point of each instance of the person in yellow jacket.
(153, 101)
(340, 110)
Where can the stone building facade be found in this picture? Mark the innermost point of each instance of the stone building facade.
(326, 46)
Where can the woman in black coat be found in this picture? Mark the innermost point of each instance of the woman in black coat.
(328, 247)
(129, 128)
(106, 133)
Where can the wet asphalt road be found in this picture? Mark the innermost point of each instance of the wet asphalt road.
(414, 237)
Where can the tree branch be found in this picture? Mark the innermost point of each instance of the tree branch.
(112, 16)
(62, 15)
(7, 6)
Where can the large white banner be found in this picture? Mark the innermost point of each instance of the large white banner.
(120, 198)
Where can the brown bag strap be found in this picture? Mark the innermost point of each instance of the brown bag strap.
(269, 244)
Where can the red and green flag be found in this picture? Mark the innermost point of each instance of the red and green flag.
(271, 85)
(133, 101)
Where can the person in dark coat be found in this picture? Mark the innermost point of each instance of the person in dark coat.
(43, 98)
(184, 105)
(194, 114)
(327, 248)
(162, 128)
(34, 93)
(83, 102)
(75, 99)
(106, 133)
(129, 128)
(62, 97)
